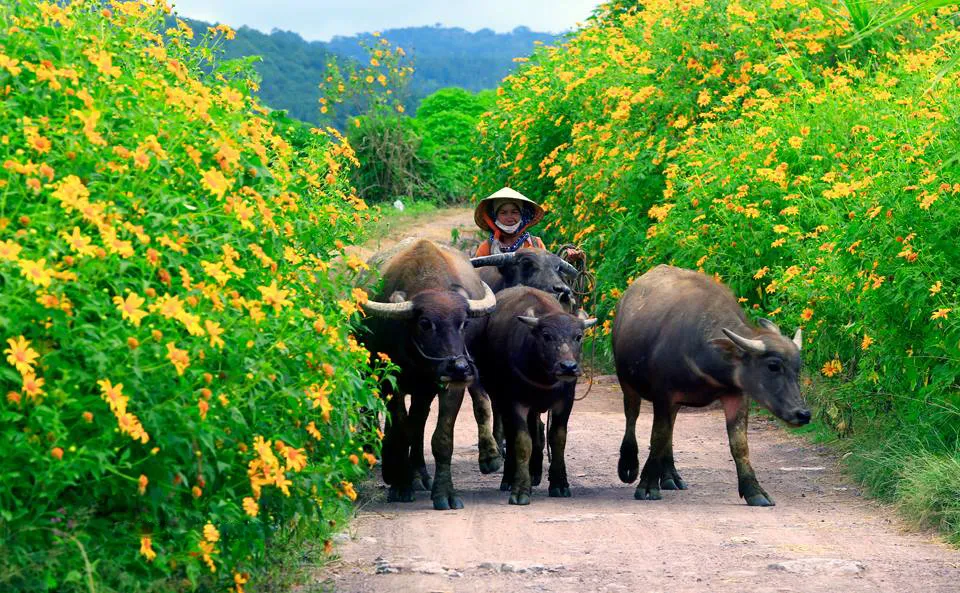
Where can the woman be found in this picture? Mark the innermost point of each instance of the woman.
(507, 215)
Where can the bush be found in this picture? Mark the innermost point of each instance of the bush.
(801, 153)
(182, 390)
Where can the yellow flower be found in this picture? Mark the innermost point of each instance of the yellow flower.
(32, 385)
(35, 271)
(210, 533)
(216, 183)
(272, 295)
(761, 272)
(831, 368)
(312, 431)
(130, 307)
(113, 395)
(9, 250)
(215, 331)
(146, 548)
(867, 340)
(21, 355)
(178, 357)
(936, 288)
(940, 313)
(250, 506)
(807, 314)
(142, 484)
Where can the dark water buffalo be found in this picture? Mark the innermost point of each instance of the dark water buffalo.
(533, 267)
(529, 361)
(418, 316)
(529, 267)
(680, 338)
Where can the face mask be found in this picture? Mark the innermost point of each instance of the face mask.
(508, 229)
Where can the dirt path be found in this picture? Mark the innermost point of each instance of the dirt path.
(821, 536)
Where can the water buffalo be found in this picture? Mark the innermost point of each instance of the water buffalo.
(529, 267)
(529, 361)
(418, 317)
(533, 267)
(680, 338)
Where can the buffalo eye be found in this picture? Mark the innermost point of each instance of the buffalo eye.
(578, 337)
(425, 324)
(774, 366)
(547, 337)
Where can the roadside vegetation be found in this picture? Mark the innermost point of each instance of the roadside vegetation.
(805, 153)
(183, 401)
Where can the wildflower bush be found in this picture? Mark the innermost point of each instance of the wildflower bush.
(182, 393)
(802, 152)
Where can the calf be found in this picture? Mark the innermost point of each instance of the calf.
(680, 338)
(529, 361)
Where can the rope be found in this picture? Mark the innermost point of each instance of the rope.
(584, 284)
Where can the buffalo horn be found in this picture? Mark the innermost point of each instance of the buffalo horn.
(767, 324)
(798, 339)
(484, 305)
(529, 320)
(755, 346)
(401, 310)
(589, 322)
(492, 260)
(567, 268)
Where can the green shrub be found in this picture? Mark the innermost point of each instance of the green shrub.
(805, 155)
(181, 388)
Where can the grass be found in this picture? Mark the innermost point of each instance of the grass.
(393, 219)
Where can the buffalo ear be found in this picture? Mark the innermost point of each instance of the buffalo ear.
(398, 296)
(531, 321)
(727, 348)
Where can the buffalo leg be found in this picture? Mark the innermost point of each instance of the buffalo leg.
(659, 470)
(444, 496)
(736, 409)
(490, 460)
(395, 453)
(559, 486)
(629, 464)
(417, 420)
(522, 446)
(535, 427)
(499, 435)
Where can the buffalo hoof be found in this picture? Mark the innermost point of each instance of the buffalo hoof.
(674, 483)
(628, 468)
(647, 494)
(760, 500)
(506, 486)
(488, 466)
(395, 494)
(423, 481)
(560, 492)
(520, 499)
(447, 503)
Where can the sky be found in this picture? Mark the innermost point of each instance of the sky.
(319, 20)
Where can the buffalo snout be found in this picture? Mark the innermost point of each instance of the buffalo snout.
(457, 369)
(568, 369)
(800, 417)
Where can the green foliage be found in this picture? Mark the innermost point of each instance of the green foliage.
(448, 121)
(808, 160)
(391, 165)
(183, 399)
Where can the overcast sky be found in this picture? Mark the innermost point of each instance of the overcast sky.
(319, 20)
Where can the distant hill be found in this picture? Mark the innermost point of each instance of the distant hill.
(442, 56)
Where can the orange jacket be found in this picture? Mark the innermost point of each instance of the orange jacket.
(532, 241)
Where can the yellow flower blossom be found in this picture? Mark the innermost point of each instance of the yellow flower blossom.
(178, 357)
(21, 355)
(831, 368)
(130, 308)
(250, 506)
(146, 548)
(210, 533)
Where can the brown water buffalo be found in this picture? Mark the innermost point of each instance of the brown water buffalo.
(529, 361)
(680, 338)
(418, 316)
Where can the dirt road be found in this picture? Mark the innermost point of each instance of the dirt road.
(821, 536)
